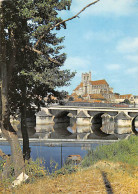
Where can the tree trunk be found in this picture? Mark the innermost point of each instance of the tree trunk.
(0, 62)
(6, 126)
(26, 148)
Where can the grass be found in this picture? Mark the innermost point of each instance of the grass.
(125, 151)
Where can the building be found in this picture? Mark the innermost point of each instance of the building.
(98, 90)
(121, 98)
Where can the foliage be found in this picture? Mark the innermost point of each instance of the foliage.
(35, 69)
(71, 98)
(53, 166)
(6, 182)
(67, 169)
(1, 164)
(35, 169)
(38, 61)
(116, 93)
(126, 101)
(125, 151)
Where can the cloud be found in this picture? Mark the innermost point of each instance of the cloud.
(77, 63)
(115, 7)
(133, 58)
(128, 45)
(113, 67)
(133, 70)
(102, 35)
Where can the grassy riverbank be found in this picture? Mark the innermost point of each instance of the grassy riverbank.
(125, 151)
(111, 168)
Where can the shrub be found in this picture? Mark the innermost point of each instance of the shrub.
(67, 169)
(35, 169)
(123, 151)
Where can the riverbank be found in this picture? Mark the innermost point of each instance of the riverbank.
(103, 177)
(109, 169)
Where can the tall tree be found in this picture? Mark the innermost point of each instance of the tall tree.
(22, 23)
(30, 46)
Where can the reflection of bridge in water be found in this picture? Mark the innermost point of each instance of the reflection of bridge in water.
(98, 120)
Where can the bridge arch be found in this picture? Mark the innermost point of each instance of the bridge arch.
(97, 119)
(97, 125)
(135, 125)
(62, 125)
(62, 117)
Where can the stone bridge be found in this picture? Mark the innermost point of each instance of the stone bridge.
(110, 119)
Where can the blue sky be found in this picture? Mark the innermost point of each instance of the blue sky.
(103, 40)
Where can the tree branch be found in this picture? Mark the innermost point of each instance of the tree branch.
(40, 53)
(74, 15)
(41, 37)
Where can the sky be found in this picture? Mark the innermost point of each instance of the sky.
(103, 40)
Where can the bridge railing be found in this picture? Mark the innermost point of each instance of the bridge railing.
(96, 104)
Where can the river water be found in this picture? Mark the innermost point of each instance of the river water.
(52, 153)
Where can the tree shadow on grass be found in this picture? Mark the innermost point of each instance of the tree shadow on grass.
(108, 187)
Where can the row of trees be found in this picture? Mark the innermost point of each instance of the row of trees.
(30, 62)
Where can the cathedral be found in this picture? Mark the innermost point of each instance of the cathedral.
(94, 90)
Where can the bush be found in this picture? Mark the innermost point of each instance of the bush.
(123, 151)
(67, 169)
(1, 164)
(35, 169)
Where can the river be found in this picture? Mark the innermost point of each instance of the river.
(52, 153)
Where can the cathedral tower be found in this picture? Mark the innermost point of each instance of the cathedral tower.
(86, 78)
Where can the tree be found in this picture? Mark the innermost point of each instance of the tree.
(31, 69)
(30, 47)
(117, 94)
(71, 98)
(126, 101)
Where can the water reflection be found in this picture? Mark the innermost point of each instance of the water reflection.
(64, 131)
(72, 131)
